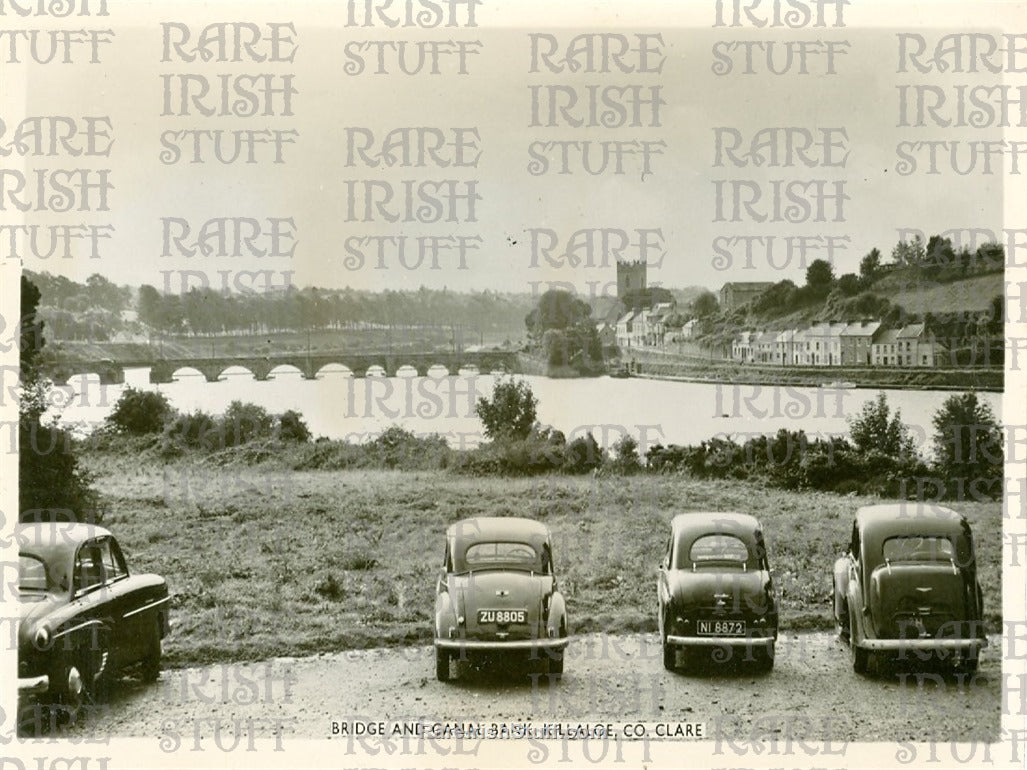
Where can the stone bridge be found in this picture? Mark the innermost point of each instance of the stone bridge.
(163, 370)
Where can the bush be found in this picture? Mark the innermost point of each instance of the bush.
(625, 455)
(141, 412)
(583, 455)
(291, 427)
(243, 423)
(875, 429)
(398, 448)
(511, 411)
(199, 430)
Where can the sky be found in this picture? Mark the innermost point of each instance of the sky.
(673, 201)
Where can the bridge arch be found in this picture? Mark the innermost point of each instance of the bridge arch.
(333, 370)
(186, 371)
(288, 369)
(237, 370)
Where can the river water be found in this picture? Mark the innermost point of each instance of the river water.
(339, 406)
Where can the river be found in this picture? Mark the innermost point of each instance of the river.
(339, 406)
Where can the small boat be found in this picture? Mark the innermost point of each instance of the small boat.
(838, 385)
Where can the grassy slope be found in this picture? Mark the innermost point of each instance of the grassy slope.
(245, 550)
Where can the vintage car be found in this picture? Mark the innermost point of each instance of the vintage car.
(715, 592)
(907, 588)
(83, 618)
(497, 594)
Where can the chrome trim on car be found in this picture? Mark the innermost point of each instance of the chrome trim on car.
(513, 644)
(921, 644)
(718, 641)
(33, 685)
(66, 631)
(146, 607)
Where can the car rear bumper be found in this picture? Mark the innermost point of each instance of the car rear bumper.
(499, 645)
(33, 685)
(898, 645)
(719, 641)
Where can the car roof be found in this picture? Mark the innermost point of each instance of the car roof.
(706, 522)
(910, 518)
(498, 529)
(53, 539)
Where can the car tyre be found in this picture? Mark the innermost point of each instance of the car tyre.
(556, 663)
(67, 692)
(442, 661)
(670, 657)
(764, 655)
(150, 668)
(860, 657)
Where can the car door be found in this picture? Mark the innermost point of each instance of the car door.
(94, 625)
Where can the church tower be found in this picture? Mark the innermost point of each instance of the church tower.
(630, 277)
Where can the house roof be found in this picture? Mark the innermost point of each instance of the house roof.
(861, 329)
(911, 330)
(887, 336)
(626, 318)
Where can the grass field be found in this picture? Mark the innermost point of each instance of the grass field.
(264, 562)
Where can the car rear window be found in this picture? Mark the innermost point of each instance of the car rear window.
(718, 548)
(918, 548)
(31, 573)
(502, 554)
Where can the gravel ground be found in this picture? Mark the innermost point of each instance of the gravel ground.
(812, 694)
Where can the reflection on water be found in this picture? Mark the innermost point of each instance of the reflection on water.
(338, 405)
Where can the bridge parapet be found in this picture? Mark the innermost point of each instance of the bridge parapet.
(163, 370)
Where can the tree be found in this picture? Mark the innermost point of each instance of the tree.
(875, 429)
(968, 442)
(819, 275)
(705, 304)
(49, 476)
(556, 309)
(870, 265)
(848, 285)
(141, 412)
(909, 252)
(510, 414)
(637, 299)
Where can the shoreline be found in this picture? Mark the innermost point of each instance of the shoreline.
(947, 387)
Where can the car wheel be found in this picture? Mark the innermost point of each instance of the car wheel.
(843, 623)
(860, 657)
(556, 663)
(442, 659)
(969, 663)
(670, 657)
(67, 692)
(764, 655)
(95, 667)
(150, 668)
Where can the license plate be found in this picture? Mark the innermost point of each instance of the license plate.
(502, 617)
(721, 627)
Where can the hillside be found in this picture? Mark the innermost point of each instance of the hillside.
(901, 295)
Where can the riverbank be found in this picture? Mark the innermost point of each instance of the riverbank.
(351, 557)
(653, 364)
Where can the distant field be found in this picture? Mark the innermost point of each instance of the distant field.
(264, 562)
(969, 295)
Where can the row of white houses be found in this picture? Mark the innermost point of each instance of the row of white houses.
(861, 343)
(644, 328)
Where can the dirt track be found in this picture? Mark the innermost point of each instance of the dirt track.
(811, 694)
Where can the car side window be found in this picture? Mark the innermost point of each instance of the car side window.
(547, 560)
(854, 545)
(88, 568)
(447, 560)
(113, 562)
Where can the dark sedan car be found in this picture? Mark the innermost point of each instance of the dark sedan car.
(83, 617)
(907, 588)
(715, 592)
(497, 594)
